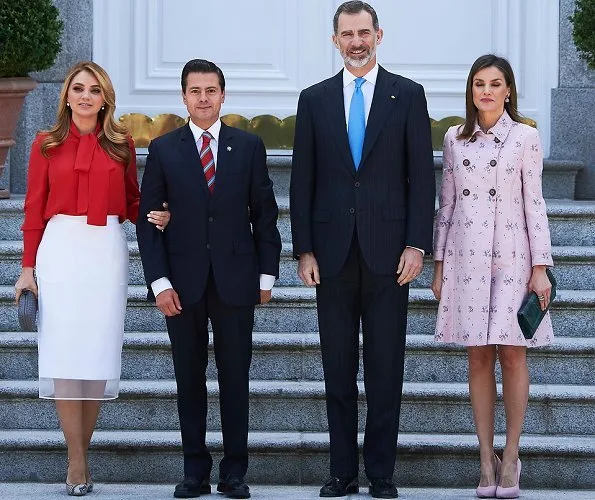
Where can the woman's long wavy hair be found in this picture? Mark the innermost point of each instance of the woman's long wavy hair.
(482, 62)
(112, 137)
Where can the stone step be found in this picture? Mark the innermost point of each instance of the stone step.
(286, 406)
(558, 176)
(145, 491)
(296, 357)
(11, 253)
(293, 309)
(574, 266)
(572, 223)
(292, 458)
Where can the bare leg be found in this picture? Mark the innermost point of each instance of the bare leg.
(78, 418)
(482, 391)
(515, 392)
(92, 389)
(71, 420)
(90, 414)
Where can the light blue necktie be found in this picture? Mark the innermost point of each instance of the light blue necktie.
(356, 128)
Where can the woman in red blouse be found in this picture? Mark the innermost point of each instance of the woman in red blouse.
(82, 185)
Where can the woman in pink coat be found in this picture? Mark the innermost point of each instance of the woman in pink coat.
(491, 248)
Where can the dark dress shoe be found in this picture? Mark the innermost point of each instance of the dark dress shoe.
(339, 487)
(383, 488)
(192, 488)
(234, 487)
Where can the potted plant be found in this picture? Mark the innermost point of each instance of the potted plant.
(583, 32)
(30, 34)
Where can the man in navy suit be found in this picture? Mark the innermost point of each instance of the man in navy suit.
(217, 259)
(362, 204)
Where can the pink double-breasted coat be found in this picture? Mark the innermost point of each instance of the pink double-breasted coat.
(491, 228)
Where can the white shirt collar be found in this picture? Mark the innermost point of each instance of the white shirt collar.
(213, 130)
(370, 76)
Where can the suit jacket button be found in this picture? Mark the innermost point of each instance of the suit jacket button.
(352, 210)
(208, 246)
(356, 184)
(466, 192)
(493, 163)
(496, 140)
(210, 219)
(492, 192)
(466, 162)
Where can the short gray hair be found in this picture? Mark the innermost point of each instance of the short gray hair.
(355, 7)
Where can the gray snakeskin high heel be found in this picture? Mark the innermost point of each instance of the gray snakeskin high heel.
(76, 490)
(89, 483)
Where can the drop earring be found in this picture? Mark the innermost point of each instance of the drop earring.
(67, 104)
(102, 108)
(507, 99)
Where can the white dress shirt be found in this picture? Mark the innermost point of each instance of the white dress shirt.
(368, 90)
(159, 285)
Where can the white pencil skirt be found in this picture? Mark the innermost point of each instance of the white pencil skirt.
(82, 276)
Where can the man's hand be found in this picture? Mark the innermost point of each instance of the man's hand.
(168, 302)
(265, 296)
(410, 265)
(308, 269)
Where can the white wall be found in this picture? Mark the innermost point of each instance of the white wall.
(271, 49)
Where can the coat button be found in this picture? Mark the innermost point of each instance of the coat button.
(466, 192)
(210, 219)
(473, 139)
(496, 140)
(356, 184)
(466, 162)
(352, 210)
(492, 192)
(208, 246)
(493, 163)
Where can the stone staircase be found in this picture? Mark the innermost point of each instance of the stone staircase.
(137, 438)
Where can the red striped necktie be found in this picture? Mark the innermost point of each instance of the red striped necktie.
(207, 161)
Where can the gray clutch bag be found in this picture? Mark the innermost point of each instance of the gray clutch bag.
(28, 311)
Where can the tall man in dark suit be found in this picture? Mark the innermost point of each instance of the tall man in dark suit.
(362, 204)
(216, 260)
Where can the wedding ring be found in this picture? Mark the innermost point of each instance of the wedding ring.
(541, 297)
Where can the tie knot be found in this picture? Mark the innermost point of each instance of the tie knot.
(206, 136)
(359, 82)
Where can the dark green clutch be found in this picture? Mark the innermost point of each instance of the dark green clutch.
(530, 313)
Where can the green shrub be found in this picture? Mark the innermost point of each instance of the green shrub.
(583, 32)
(30, 33)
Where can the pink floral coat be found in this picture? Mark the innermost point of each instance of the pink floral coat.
(491, 228)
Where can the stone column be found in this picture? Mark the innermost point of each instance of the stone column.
(39, 110)
(573, 108)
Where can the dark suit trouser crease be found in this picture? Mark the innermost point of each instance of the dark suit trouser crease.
(232, 338)
(354, 293)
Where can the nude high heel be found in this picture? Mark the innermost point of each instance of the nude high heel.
(512, 491)
(490, 491)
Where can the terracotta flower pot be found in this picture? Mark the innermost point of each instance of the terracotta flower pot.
(12, 94)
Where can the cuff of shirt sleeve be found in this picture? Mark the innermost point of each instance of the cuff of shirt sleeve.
(423, 252)
(160, 285)
(266, 281)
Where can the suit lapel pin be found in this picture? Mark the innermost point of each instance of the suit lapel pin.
(392, 97)
(228, 148)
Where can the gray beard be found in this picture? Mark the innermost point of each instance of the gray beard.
(359, 63)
